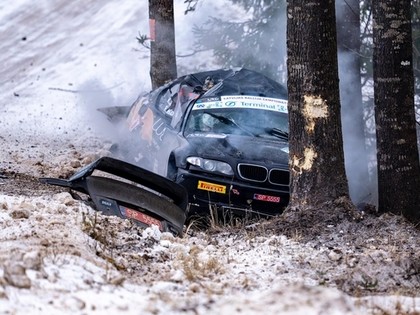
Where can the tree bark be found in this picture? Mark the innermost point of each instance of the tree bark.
(162, 42)
(397, 153)
(316, 146)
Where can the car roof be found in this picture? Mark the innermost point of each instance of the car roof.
(237, 81)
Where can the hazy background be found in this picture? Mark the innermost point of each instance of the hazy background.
(60, 60)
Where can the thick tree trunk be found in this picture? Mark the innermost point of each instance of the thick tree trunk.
(162, 42)
(397, 153)
(316, 146)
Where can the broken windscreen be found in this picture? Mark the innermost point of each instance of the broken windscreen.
(239, 114)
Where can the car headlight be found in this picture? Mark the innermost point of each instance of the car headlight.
(210, 165)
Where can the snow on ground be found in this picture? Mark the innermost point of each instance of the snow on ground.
(62, 60)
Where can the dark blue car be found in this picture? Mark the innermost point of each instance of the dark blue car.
(223, 135)
(213, 142)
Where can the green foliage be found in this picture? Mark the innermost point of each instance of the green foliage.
(257, 43)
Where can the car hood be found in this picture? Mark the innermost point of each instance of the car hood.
(240, 148)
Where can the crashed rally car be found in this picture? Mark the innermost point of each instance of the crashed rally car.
(221, 135)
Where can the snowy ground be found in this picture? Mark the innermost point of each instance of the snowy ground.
(61, 60)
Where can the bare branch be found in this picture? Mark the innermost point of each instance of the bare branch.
(191, 4)
(142, 40)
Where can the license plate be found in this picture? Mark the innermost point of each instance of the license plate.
(141, 217)
(266, 198)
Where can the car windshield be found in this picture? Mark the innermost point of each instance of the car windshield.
(241, 115)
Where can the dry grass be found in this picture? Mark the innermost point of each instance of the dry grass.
(196, 268)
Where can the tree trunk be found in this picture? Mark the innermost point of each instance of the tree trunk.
(316, 146)
(397, 152)
(355, 153)
(162, 42)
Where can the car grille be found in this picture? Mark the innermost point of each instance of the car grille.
(258, 173)
(279, 176)
(253, 172)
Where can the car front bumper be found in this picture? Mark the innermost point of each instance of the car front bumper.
(206, 190)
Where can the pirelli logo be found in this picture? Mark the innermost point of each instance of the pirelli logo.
(211, 187)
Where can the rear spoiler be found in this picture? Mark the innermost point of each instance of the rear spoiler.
(149, 199)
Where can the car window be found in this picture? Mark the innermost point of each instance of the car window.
(184, 97)
(258, 117)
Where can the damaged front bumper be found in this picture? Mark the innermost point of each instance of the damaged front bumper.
(130, 192)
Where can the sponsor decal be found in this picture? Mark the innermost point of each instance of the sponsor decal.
(141, 120)
(159, 128)
(266, 198)
(243, 101)
(209, 99)
(207, 105)
(221, 189)
(105, 203)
